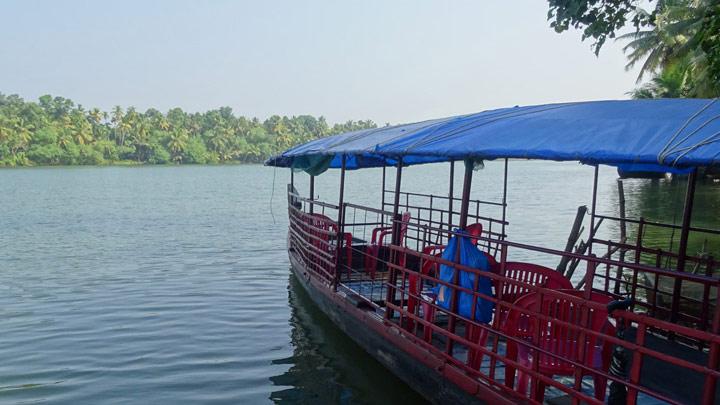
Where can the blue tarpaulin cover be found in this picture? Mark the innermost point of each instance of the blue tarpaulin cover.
(470, 256)
(662, 133)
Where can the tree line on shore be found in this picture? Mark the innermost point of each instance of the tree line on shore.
(57, 131)
(676, 43)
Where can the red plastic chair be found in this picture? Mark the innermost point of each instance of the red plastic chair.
(527, 273)
(558, 339)
(531, 274)
(321, 227)
(378, 240)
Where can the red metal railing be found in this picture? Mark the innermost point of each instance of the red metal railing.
(313, 239)
(455, 338)
(641, 323)
(653, 292)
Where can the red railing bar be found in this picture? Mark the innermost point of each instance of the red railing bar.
(658, 224)
(515, 364)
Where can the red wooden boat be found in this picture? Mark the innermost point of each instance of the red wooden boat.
(426, 285)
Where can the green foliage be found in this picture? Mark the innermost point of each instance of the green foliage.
(56, 131)
(599, 19)
(671, 82)
(195, 151)
(677, 42)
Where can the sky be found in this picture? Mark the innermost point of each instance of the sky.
(390, 61)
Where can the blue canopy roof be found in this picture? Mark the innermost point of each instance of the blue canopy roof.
(665, 134)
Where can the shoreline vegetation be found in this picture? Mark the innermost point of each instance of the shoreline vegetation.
(675, 43)
(55, 131)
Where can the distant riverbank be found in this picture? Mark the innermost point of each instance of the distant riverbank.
(130, 163)
(54, 131)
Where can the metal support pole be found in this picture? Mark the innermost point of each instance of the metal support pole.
(292, 177)
(396, 205)
(592, 213)
(464, 204)
(382, 196)
(504, 201)
(312, 193)
(392, 279)
(451, 194)
(340, 223)
(682, 249)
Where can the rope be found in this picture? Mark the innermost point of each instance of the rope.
(674, 147)
(711, 139)
(272, 194)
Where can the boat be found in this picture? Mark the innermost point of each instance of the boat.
(429, 285)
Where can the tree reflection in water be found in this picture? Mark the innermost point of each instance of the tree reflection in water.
(662, 201)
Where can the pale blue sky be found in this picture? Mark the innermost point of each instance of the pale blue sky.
(390, 61)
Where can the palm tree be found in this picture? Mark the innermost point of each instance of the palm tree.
(176, 144)
(675, 39)
(671, 82)
(117, 119)
(95, 117)
(20, 135)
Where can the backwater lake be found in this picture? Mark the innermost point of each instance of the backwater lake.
(171, 284)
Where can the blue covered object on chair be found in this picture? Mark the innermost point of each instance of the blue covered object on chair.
(470, 256)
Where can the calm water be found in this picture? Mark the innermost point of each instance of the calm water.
(171, 284)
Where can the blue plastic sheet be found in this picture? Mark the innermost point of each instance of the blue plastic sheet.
(470, 256)
(652, 168)
(667, 133)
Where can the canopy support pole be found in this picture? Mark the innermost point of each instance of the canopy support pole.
(504, 201)
(464, 205)
(592, 211)
(465, 202)
(590, 272)
(292, 178)
(682, 249)
(382, 196)
(392, 279)
(312, 193)
(340, 224)
(451, 194)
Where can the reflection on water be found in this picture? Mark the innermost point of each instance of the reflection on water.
(321, 350)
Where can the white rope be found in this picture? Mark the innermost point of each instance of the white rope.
(673, 147)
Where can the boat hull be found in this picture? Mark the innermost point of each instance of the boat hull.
(424, 372)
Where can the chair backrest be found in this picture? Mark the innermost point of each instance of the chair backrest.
(532, 274)
(320, 226)
(323, 222)
(404, 221)
(561, 339)
(475, 230)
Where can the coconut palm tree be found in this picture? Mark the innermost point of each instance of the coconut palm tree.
(671, 82)
(676, 39)
(177, 142)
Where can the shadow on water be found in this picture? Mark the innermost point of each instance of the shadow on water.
(328, 367)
